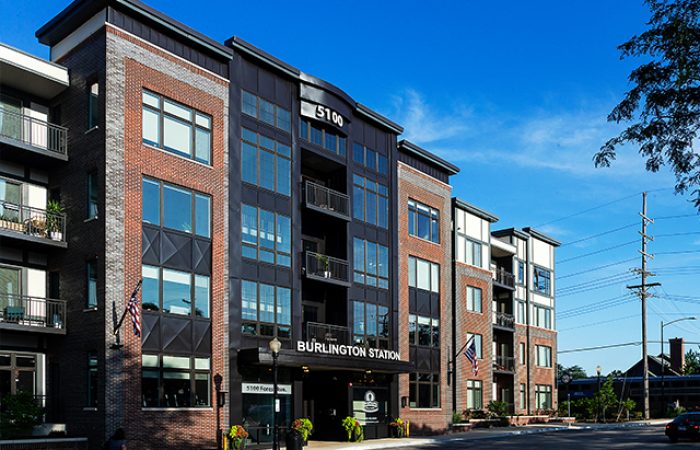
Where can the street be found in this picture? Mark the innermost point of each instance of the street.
(646, 438)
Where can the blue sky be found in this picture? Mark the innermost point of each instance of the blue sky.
(516, 94)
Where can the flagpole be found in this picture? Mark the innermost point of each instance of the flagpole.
(126, 309)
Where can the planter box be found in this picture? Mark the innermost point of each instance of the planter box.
(526, 420)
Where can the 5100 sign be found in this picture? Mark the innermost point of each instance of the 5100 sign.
(324, 112)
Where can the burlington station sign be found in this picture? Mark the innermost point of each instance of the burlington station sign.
(354, 351)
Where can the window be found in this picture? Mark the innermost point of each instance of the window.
(93, 106)
(544, 356)
(265, 111)
(335, 143)
(473, 299)
(523, 396)
(542, 317)
(477, 343)
(91, 290)
(266, 310)
(423, 331)
(266, 236)
(175, 292)
(175, 128)
(266, 162)
(521, 272)
(370, 159)
(175, 381)
(92, 195)
(520, 312)
(371, 263)
(522, 354)
(474, 395)
(92, 379)
(175, 208)
(543, 396)
(371, 324)
(423, 221)
(424, 390)
(370, 202)
(542, 279)
(423, 274)
(468, 250)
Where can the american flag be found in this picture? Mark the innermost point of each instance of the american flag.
(134, 311)
(470, 353)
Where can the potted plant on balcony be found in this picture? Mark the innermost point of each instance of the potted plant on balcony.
(353, 429)
(54, 214)
(323, 265)
(10, 221)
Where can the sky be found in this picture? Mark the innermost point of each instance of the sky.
(514, 93)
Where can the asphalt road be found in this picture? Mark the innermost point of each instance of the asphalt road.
(646, 438)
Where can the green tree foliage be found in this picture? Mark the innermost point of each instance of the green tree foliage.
(692, 363)
(575, 372)
(662, 108)
(606, 399)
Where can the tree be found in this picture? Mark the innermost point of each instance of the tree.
(692, 363)
(605, 398)
(663, 104)
(575, 372)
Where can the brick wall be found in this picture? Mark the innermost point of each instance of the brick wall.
(541, 375)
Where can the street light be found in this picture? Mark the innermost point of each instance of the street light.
(220, 402)
(663, 359)
(598, 369)
(275, 346)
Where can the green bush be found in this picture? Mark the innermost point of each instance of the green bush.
(498, 408)
(20, 414)
(457, 417)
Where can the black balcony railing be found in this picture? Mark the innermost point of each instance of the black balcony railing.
(504, 320)
(504, 364)
(33, 312)
(34, 132)
(504, 278)
(327, 334)
(327, 268)
(327, 200)
(32, 221)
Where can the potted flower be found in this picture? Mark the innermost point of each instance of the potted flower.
(10, 221)
(398, 427)
(237, 435)
(353, 428)
(323, 265)
(54, 222)
(303, 427)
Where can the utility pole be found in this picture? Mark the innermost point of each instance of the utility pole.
(643, 297)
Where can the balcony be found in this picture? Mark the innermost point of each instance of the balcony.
(327, 268)
(42, 315)
(327, 201)
(327, 334)
(503, 278)
(504, 364)
(504, 320)
(32, 224)
(34, 135)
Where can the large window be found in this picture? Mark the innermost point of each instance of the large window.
(544, 356)
(543, 396)
(542, 317)
(423, 221)
(370, 159)
(423, 331)
(542, 280)
(473, 299)
(265, 111)
(520, 312)
(176, 208)
(266, 236)
(475, 396)
(266, 162)
(91, 286)
(176, 128)
(175, 381)
(370, 201)
(423, 274)
(371, 324)
(266, 310)
(477, 344)
(335, 143)
(424, 390)
(371, 263)
(92, 379)
(93, 114)
(93, 195)
(522, 353)
(520, 276)
(523, 396)
(469, 250)
(175, 292)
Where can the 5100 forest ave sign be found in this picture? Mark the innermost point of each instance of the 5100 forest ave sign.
(347, 350)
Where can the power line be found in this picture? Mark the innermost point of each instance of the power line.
(599, 234)
(569, 275)
(588, 210)
(587, 283)
(598, 286)
(599, 347)
(618, 319)
(598, 251)
(680, 216)
(676, 252)
(594, 307)
(688, 233)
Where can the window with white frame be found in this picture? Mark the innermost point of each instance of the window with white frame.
(542, 317)
(477, 343)
(423, 274)
(544, 356)
(473, 299)
(543, 396)
(542, 279)
(475, 396)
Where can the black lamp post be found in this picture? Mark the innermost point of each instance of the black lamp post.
(275, 346)
(220, 402)
(597, 415)
(663, 360)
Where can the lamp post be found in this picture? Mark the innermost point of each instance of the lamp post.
(275, 346)
(220, 402)
(598, 369)
(663, 359)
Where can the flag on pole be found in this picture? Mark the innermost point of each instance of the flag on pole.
(134, 310)
(470, 353)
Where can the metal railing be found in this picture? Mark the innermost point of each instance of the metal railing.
(35, 132)
(327, 267)
(327, 200)
(503, 319)
(33, 221)
(32, 311)
(327, 333)
(503, 277)
(504, 363)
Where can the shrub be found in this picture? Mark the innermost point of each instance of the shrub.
(303, 426)
(498, 408)
(457, 417)
(353, 429)
(20, 414)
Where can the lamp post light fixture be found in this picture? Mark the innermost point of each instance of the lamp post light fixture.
(598, 370)
(220, 402)
(663, 360)
(275, 346)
